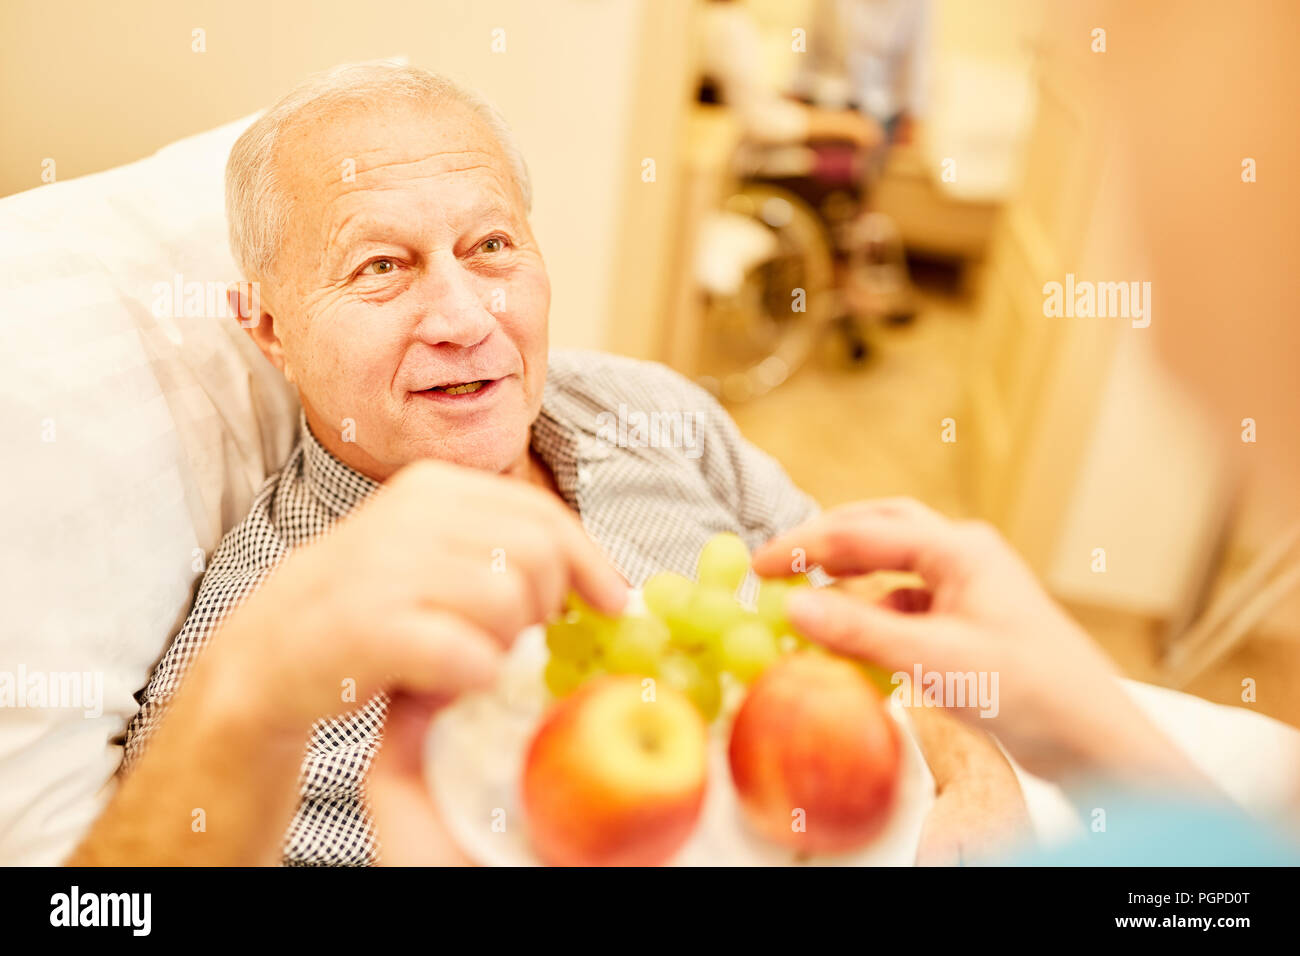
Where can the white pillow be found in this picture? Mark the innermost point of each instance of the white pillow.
(133, 440)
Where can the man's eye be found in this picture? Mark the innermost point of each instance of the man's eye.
(494, 244)
(379, 267)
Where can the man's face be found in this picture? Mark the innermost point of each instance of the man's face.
(408, 267)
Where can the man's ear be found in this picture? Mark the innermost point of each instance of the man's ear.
(246, 304)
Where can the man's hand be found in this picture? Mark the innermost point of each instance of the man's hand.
(1060, 708)
(409, 824)
(979, 813)
(418, 591)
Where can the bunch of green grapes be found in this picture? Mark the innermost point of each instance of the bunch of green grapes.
(693, 633)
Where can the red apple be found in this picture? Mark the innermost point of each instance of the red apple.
(814, 755)
(614, 779)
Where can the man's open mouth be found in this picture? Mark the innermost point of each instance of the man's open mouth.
(474, 391)
(463, 389)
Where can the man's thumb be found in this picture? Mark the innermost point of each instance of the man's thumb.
(407, 820)
(402, 748)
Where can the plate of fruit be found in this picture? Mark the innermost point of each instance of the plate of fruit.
(695, 729)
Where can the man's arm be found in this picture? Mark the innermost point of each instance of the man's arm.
(218, 784)
(979, 811)
(401, 595)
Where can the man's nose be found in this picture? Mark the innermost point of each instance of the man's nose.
(455, 309)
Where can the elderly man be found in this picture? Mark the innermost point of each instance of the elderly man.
(382, 214)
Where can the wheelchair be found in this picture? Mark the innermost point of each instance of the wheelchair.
(808, 268)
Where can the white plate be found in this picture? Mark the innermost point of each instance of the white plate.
(474, 762)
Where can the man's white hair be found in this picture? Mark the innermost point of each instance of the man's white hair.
(257, 214)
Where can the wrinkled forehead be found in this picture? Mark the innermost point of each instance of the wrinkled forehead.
(356, 150)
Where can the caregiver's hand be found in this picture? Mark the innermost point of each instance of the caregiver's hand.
(1060, 709)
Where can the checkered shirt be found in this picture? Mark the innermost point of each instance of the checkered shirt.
(650, 493)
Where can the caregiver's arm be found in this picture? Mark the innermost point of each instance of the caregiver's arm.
(979, 811)
(1061, 710)
(401, 596)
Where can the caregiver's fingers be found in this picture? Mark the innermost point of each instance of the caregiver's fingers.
(908, 600)
(897, 506)
(407, 819)
(854, 628)
(898, 590)
(854, 540)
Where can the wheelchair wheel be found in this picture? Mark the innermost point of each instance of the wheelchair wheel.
(754, 339)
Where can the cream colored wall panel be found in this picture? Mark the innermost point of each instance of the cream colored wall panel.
(95, 85)
(1148, 484)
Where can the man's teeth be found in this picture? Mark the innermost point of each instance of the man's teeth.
(460, 389)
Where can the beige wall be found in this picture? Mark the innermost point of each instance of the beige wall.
(93, 85)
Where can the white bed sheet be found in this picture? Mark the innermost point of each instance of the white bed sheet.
(1252, 758)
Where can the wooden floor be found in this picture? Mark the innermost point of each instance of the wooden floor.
(846, 433)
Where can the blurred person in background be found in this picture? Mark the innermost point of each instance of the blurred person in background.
(870, 55)
(731, 65)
